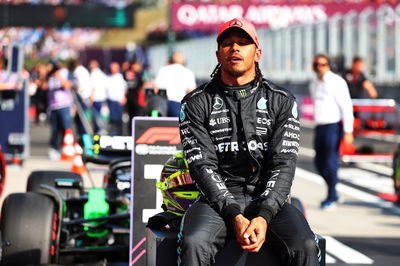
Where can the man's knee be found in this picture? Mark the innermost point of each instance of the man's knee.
(304, 252)
(194, 249)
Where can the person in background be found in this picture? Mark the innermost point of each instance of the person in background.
(333, 115)
(83, 86)
(8, 80)
(60, 103)
(134, 79)
(98, 95)
(39, 98)
(116, 98)
(82, 81)
(240, 136)
(177, 80)
(357, 81)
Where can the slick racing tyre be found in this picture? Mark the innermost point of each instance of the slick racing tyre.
(68, 183)
(29, 224)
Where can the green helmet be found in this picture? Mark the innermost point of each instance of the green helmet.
(177, 187)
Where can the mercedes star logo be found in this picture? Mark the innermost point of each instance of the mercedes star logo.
(217, 103)
(236, 23)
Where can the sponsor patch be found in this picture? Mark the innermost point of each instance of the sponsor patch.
(219, 121)
(294, 110)
(145, 149)
(218, 103)
(182, 114)
(262, 103)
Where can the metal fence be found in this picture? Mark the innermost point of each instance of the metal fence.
(288, 52)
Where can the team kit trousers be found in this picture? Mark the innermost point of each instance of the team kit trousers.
(60, 120)
(326, 145)
(204, 232)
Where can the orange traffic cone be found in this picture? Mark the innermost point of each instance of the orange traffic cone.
(77, 163)
(68, 149)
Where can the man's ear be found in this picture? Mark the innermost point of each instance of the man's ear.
(216, 54)
(257, 56)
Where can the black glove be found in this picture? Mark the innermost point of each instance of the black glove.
(165, 220)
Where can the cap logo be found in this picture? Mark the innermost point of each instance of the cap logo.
(236, 23)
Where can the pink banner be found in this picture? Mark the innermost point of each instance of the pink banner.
(207, 16)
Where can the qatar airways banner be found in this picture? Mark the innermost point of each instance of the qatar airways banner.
(207, 16)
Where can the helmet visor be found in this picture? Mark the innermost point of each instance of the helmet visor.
(176, 180)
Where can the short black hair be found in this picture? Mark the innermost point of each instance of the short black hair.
(357, 59)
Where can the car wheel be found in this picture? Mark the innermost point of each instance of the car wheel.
(68, 183)
(29, 224)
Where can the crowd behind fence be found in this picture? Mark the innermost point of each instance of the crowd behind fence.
(287, 53)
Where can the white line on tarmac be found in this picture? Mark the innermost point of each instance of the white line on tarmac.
(352, 192)
(329, 259)
(366, 179)
(346, 253)
(376, 168)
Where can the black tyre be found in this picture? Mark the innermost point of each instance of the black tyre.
(29, 224)
(71, 187)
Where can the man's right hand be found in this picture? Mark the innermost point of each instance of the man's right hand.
(240, 224)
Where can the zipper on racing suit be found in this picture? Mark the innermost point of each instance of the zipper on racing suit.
(253, 161)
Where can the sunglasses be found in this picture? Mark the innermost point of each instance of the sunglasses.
(320, 64)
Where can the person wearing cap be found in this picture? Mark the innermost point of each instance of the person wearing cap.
(240, 136)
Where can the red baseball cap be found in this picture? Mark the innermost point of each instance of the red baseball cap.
(242, 24)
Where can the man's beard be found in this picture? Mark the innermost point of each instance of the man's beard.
(235, 73)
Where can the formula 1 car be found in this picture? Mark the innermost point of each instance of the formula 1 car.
(375, 120)
(57, 221)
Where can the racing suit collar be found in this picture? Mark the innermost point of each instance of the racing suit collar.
(238, 92)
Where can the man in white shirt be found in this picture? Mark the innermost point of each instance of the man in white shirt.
(333, 115)
(82, 83)
(116, 95)
(98, 95)
(177, 80)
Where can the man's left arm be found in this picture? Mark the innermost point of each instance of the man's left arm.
(281, 162)
(281, 159)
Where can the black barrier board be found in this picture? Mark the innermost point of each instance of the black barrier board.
(14, 121)
(155, 141)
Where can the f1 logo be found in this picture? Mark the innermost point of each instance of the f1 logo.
(155, 134)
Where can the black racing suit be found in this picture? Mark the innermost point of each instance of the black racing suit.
(241, 145)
